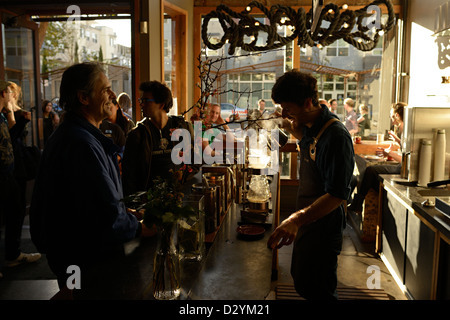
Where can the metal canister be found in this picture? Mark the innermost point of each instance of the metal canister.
(218, 179)
(210, 204)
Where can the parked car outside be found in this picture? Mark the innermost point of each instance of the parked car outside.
(228, 109)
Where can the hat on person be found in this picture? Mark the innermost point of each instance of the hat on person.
(4, 84)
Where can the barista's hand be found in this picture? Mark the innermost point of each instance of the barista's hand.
(293, 128)
(285, 233)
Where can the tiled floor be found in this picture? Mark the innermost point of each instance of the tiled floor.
(353, 263)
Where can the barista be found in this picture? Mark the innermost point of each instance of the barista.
(325, 174)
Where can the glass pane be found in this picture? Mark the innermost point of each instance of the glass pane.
(113, 49)
(169, 53)
(257, 89)
(245, 77)
(268, 85)
(257, 77)
(257, 71)
(343, 52)
(267, 95)
(269, 77)
(341, 61)
(19, 68)
(339, 86)
(331, 51)
(328, 86)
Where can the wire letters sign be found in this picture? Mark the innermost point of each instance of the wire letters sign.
(361, 28)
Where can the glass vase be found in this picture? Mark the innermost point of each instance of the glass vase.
(191, 231)
(166, 265)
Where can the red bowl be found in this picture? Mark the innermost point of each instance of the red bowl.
(250, 231)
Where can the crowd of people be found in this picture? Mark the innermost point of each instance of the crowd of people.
(98, 148)
(13, 173)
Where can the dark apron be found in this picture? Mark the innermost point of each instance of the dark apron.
(317, 245)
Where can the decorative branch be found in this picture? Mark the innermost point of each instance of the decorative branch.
(210, 72)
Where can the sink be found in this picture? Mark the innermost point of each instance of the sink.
(434, 192)
(443, 205)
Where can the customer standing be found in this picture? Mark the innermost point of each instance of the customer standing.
(149, 146)
(363, 120)
(325, 173)
(332, 103)
(50, 119)
(77, 215)
(351, 119)
(118, 117)
(10, 194)
(125, 104)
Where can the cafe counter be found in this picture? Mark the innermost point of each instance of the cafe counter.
(233, 268)
(413, 239)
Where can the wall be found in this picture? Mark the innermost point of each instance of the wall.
(425, 88)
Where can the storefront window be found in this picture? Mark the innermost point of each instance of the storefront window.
(18, 44)
(342, 71)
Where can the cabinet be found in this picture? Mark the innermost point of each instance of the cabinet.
(395, 215)
(419, 258)
(413, 242)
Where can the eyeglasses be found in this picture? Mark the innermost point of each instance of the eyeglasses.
(144, 100)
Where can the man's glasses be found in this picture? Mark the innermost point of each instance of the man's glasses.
(144, 100)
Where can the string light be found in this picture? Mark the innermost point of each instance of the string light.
(348, 25)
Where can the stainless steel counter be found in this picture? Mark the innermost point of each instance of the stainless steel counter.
(413, 196)
(233, 269)
(414, 240)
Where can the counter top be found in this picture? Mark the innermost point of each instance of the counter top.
(369, 147)
(232, 269)
(408, 192)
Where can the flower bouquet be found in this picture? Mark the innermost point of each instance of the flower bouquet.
(163, 207)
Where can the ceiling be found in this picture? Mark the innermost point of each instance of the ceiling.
(51, 7)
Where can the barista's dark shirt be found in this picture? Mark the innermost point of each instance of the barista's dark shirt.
(335, 154)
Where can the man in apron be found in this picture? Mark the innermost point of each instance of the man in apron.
(326, 168)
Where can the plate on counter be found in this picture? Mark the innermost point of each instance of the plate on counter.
(250, 232)
(373, 157)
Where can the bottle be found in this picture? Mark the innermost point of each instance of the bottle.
(425, 163)
(439, 156)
